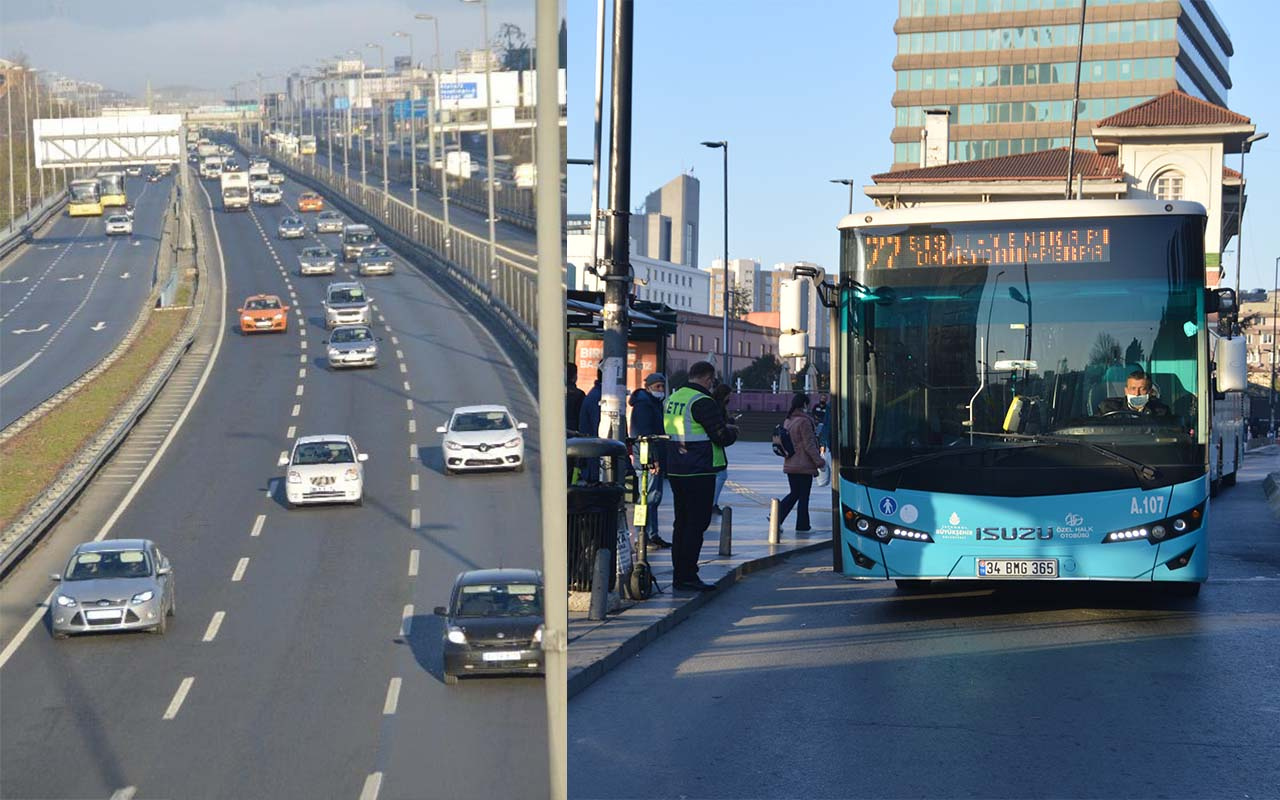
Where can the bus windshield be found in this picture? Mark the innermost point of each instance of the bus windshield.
(111, 182)
(993, 358)
(84, 191)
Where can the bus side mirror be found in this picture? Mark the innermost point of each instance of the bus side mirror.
(1230, 374)
(1221, 301)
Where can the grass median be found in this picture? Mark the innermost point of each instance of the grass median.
(35, 457)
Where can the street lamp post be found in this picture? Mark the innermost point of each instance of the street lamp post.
(360, 92)
(382, 116)
(488, 155)
(432, 116)
(728, 357)
(1244, 148)
(413, 132)
(1275, 343)
(847, 182)
(8, 114)
(36, 86)
(26, 132)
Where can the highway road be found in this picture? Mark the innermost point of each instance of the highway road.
(800, 684)
(303, 660)
(68, 298)
(476, 223)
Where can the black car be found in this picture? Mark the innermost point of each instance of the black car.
(493, 624)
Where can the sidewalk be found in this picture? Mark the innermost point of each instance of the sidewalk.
(755, 476)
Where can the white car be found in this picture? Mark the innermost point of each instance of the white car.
(324, 469)
(276, 177)
(482, 437)
(268, 195)
(118, 223)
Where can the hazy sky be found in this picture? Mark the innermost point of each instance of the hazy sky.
(801, 90)
(213, 43)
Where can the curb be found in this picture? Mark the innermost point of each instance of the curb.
(1271, 488)
(593, 672)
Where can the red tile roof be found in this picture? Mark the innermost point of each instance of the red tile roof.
(1228, 172)
(1041, 165)
(1173, 109)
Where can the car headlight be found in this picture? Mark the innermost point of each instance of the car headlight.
(457, 636)
(371, 350)
(452, 446)
(512, 442)
(333, 353)
(537, 635)
(295, 476)
(66, 602)
(351, 474)
(248, 318)
(142, 597)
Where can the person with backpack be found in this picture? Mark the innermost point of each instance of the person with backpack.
(797, 437)
(721, 395)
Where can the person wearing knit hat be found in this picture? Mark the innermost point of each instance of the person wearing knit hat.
(646, 420)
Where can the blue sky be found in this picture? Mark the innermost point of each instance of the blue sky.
(801, 90)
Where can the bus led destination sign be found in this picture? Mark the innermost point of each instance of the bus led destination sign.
(938, 247)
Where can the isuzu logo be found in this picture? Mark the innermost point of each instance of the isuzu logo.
(1012, 534)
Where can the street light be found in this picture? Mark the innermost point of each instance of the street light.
(1275, 343)
(1244, 148)
(488, 154)
(413, 132)
(360, 56)
(728, 358)
(382, 115)
(433, 116)
(847, 182)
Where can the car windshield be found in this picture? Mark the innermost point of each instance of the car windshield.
(377, 252)
(358, 237)
(316, 252)
(500, 600)
(308, 197)
(482, 421)
(346, 296)
(323, 453)
(346, 335)
(117, 219)
(110, 564)
(289, 222)
(329, 215)
(261, 304)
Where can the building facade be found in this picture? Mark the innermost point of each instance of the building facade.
(1005, 69)
(667, 230)
(682, 287)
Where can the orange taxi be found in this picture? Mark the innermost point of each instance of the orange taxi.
(310, 201)
(263, 312)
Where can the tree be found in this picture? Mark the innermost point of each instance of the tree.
(761, 373)
(1133, 353)
(513, 48)
(740, 300)
(1105, 351)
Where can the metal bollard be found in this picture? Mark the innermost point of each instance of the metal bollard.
(600, 586)
(775, 511)
(726, 532)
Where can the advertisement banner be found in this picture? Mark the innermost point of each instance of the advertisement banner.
(642, 360)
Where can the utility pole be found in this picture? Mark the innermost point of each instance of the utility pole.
(617, 274)
(1075, 102)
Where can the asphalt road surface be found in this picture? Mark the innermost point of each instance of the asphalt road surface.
(800, 684)
(287, 671)
(70, 297)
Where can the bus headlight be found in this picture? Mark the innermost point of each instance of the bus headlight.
(1162, 530)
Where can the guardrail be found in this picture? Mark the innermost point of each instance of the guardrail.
(25, 532)
(506, 287)
(21, 232)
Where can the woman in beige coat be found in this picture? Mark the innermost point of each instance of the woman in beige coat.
(802, 466)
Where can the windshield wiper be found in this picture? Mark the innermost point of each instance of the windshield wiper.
(1144, 471)
(937, 454)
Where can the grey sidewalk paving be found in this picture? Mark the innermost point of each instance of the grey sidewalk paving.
(755, 476)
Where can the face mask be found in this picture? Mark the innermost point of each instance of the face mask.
(659, 394)
(1138, 401)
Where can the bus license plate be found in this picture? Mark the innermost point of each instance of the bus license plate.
(1019, 568)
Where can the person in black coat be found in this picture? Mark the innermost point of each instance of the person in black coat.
(573, 397)
(646, 420)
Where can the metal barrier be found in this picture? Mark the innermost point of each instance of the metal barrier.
(22, 231)
(508, 284)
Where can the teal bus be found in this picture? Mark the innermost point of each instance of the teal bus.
(1027, 391)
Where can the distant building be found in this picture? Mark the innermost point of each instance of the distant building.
(698, 338)
(1171, 148)
(681, 287)
(1005, 69)
(667, 230)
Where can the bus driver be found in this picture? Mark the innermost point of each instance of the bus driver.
(1137, 398)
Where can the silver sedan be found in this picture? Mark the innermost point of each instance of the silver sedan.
(292, 228)
(352, 346)
(376, 260)
(113, 585)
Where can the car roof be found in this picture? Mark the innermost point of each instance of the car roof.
(480, 409)
(502, 575)
(275, 297)
(118, 216)
(323, 437)
(111, 545)
(344, 285)
(349, 327)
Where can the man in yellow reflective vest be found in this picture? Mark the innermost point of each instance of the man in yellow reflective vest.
(695, 453)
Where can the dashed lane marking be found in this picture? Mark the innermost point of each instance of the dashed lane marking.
(415, 518)
(257, 525)
(413, 482)
(211, 632)
(296, 410)
(372, 785)
(393, 697)
(406, 618)
(241, 566)
(176, 702)
(413, 564)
